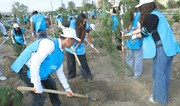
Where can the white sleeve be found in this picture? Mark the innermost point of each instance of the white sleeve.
(31, 20)
(46, 47)
(3, 29)
(62, 77)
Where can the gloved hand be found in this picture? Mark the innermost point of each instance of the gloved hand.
(13, 41)
(33, 34)
(6, 37)
(69, 92)
(92, 45)
(134, 37)
(25, 42)
(38, 88)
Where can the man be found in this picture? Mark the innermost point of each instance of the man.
(6, 37)
(39, 60)
(38, 25)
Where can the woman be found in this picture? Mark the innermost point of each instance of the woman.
(160, 44)
(18, 39)
(82, 31)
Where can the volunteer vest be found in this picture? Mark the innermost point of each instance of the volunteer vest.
(137, 43)
(51, 63)
(18, 38)
(169, 42)
(73, 24)
(39, 22)
(80, 50)
(115, 22)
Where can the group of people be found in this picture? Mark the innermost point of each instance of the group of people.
(45, 55)
(148, 36)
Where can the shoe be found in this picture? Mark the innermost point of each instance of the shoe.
(151, 99)
(136, 77)
(2, 78)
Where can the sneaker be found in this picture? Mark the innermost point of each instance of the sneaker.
(151, 99)
(2, 78)
(136, 77)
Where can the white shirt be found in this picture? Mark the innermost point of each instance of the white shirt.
(3, 29)
(46, 47)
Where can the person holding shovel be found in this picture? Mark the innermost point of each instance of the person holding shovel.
(82, 31)
(18, 38)
(160, 45)
(39, 60)
(5, 37)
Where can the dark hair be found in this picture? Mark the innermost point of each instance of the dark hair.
(18, 32)
(145, 10)
(34, 12)
(80, 28)
(114, 10)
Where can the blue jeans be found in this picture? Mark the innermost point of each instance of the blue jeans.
(161, 71)
(134, 59)
(39, 99)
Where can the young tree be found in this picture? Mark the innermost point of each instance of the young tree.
(19, 10)
(71, 5)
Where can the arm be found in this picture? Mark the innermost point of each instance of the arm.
(12, 38)
(24, 37)
(32, 26)
(46, 47)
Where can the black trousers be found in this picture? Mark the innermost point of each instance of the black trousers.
(39, 99)
(71, 64)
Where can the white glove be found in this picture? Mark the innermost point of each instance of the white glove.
(33, 34)
(13, 41)
(38, 88)
(92, 45)
(25, 42)
(129, 34)
(134, 37)
(6, 37)
(69, 92)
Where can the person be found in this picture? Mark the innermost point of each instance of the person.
(6, 37)
(73, 23)
(39, 60)
(38, 25)
(25, 19)
(115, 29)
(134, 50)
(18, 38)
(160, 44)
(82, 31)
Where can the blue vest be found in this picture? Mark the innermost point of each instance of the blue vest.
(51, 63)
(73, 24)
(39, 22)
(137, 43)
(169, 42)
(115, 22)
(80, 50)
(18, 38)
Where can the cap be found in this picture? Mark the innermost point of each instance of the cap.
(15, 25)
(70, 33)
(141, 2)
(93, 26)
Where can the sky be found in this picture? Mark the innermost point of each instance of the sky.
(40, 5)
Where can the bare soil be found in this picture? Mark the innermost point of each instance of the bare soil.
(109, 85)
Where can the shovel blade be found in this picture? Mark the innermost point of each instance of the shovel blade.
(83, 72)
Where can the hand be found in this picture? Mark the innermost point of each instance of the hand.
(38, 88)
(25, 42)
(92, 45)
(33, 34)
(134, 37)
(69, 92)
(6, 37)
(13, 41)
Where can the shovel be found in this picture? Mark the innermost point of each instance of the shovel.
(84, 74)
(22, 88)
(2, 42)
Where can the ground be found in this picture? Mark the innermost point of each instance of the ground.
(109, 85)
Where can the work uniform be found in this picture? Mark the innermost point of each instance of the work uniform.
(35, 65)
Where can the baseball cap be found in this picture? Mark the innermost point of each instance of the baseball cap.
(93, 26)
(15, 25)
(141, 2)
(70, 33)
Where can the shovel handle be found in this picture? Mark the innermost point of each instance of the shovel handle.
(77, 59)
(22, 88)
